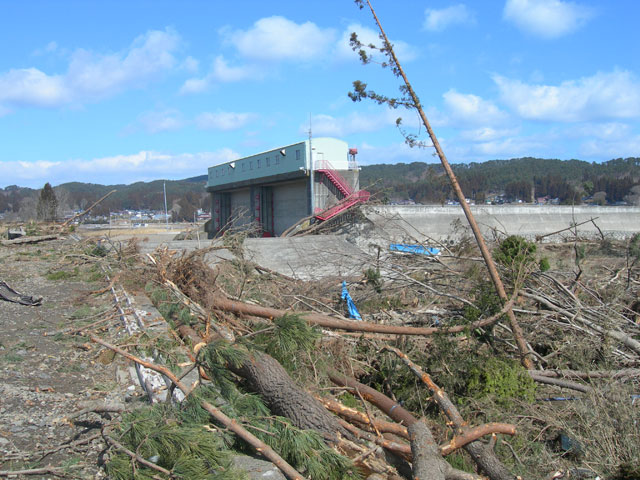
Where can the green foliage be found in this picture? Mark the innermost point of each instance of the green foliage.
(186, 449)
(215, 357)
(13, 358)
(515, 251)
(62, 275)
(303, 449)
(172, 310)
(348, 400)
(557, 178)
(185, 317)
(98, 250)
(291, 338)
(544, 264)
(486, 303)
(380, 302)
(82, 312)
(373, 278)
(502, 379)
(461, 462)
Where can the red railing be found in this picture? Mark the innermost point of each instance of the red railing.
(357, 197)
(323, 166)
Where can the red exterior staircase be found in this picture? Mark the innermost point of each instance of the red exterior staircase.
(340, 183)
(350, 197)
(360, 196)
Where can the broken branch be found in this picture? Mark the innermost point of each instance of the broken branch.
(261, 447)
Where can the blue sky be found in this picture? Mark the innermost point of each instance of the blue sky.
(125, 91)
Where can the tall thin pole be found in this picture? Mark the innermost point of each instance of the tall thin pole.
(311, 179)
(493, 272)
(166, 212)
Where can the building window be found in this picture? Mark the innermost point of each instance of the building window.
(258, 163)
(268, 161)
(277, 159)
(250, 164)
(297, 154)
(244, 164)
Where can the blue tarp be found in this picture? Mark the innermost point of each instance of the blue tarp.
(411, 248)
(353, 311)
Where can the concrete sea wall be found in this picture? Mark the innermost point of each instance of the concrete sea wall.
(403, 222)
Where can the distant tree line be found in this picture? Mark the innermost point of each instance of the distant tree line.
(526, 179)
(184, 198)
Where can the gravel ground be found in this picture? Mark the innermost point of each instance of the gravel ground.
(45, 376)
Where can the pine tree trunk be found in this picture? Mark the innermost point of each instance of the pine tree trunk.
(265, 376)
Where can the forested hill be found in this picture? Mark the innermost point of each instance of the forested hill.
(569, 180)
(183, 197)
(520, 178)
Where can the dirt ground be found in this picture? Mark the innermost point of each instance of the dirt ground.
(46, 374)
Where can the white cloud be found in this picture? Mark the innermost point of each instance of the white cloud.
(141, 166)
(221, 72)
(547, 18)
(327, 125)
(277, 38)
(224, 120)
(509, 147)
(396, 152)
(487, 134)
(605, 131)
(190, 64)
(438, 20)
(608, 148)
(165, 121)
(614, 95)
(31, 87)
(91, 76)
(100, 75)
(465, 109)
(195, 85)
(367, 36)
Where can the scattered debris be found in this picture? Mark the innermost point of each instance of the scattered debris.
(415, 249)
(353, 310)
(8, 294)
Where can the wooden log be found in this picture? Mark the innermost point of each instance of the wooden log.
(29, 240)
(393, 409)
(559, 382)
(427, 463)
(622, 373)
(326, 321)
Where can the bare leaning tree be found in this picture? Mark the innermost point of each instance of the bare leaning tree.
(409, 99)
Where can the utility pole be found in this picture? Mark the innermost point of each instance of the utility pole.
(166, 213)
(311, 175)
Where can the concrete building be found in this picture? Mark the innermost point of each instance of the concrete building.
(275, 189)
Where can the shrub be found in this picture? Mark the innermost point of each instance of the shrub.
(544, 264)
(502, 379)
(515, 251)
